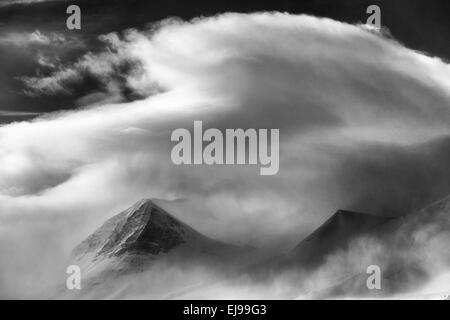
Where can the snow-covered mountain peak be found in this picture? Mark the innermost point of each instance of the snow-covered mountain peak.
(143, 228)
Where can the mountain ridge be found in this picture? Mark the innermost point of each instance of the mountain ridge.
(335, 233)
(144, 234)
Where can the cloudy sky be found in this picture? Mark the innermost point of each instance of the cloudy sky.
(87, 117)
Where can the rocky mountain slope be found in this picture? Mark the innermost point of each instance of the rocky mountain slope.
(144, 229)
(133, 240)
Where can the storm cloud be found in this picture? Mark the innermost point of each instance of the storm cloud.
(352, 106)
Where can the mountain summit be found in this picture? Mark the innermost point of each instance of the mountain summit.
(145, 238)
(148, 231)
(335, 233)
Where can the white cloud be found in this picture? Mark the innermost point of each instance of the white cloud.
(32, 38)
(111, 69)
(4, 3)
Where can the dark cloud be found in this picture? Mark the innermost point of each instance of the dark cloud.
(420, 24)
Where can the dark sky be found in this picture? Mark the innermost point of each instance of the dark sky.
(419, 24)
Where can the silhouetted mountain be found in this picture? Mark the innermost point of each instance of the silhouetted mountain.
(334, 234)
(402, 247)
